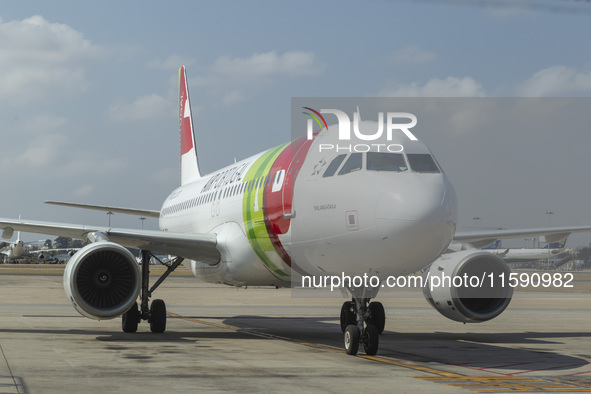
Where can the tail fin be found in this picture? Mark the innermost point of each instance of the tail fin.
(494, 245)
(189, 162)
(556, 245)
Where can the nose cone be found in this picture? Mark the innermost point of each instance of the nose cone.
(416, 224)
(422, 198)
(408, 203)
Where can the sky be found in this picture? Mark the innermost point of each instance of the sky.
(88, 95)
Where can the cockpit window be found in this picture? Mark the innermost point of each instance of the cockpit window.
(333, 166)
(354, 163)
(379, 161)
(422, 162)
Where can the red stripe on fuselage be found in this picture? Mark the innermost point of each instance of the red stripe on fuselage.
(275, 204)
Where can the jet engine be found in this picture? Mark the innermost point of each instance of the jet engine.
(102, 280)
(468, 286)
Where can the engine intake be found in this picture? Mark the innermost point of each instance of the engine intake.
(102, 280)
(478, 296)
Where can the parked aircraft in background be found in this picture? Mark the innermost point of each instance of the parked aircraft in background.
(522, 254)
(13, 250)
(18, 249)
(264, 219)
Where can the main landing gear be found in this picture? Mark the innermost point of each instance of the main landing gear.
(155, 314)
(362, 322)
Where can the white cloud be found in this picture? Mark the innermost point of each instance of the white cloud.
(83, 191)
(85, 163)
(50, 156)
(233, 97)
(163, 176)
(42, 151)
(556, 81)
(172, 62)
(232, 78)
(413, 54)
(269, 63)
(42, 123)
(448, 87)
(40, 59)
(149, 107)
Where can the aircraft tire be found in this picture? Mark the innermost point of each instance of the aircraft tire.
(130, 319)
(351, 339)
(158, 316)
(347, 316)
(378, 316)
(371, 340)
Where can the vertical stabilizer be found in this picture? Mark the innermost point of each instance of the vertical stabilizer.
(189, 163)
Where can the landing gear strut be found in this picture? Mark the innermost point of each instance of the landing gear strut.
(362, 322)
(155, 313)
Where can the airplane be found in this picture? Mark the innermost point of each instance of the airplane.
(286, 212)
(522, 254)
(13, 250)
(17, 249)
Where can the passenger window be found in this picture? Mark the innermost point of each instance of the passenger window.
(354, 163)
(333, 166)
(422, 162)
(378, 161)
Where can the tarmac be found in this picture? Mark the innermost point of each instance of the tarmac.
(223, 339)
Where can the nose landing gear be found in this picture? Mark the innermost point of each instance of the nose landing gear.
(362, 322)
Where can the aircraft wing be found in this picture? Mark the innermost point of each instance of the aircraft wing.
(201, 247)
(486, 237)
(128, 211)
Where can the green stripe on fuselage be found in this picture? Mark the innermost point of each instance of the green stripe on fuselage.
(254, 219)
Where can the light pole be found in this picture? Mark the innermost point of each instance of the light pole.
(109, 214)
(142, 219)
(476, 219)
(548, 212)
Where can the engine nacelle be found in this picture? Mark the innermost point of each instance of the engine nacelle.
(468, 300)
(102, 280)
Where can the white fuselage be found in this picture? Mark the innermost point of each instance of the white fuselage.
(276, 213)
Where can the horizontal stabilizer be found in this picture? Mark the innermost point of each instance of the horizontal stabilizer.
(128, 211)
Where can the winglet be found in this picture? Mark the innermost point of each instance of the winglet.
(189, 162)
